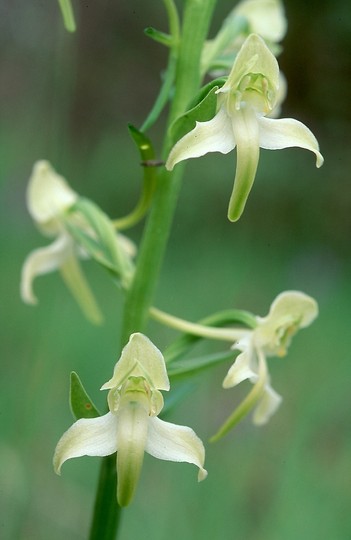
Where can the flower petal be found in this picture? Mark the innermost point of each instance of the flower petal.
(41, 261)
(267, 406)
(281, 95)
(246, 135)
(266, 17)
(48, 194)
(87, 437)
(290, 311)
(260, 381)
(216, 135)
(253, 57)
(175, 443)
(240, 370)
(286, 133)
(298, 305)
(140, 358)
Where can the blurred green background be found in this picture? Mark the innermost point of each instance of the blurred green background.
(68, 98)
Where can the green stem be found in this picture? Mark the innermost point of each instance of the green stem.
(106, 517)
(157, 229)
(197, 16)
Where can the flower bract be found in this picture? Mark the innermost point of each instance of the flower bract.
(131, 427)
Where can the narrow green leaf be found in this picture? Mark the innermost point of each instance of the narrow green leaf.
(149, 164)
(68, 15)
(163, 96)
(143, 143)
(80, 403)
(158, 36)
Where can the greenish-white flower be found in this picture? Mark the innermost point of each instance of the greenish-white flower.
(289, 312)
(49, 200)
(265, 17)
(131, 426)
(249, 95)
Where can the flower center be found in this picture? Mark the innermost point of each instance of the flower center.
(136, 390)
(254, 89)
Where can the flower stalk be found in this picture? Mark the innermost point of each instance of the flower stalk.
(140, 295)
(158, 226)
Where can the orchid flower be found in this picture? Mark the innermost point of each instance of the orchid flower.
(266, 336)
(265, 17)
(243, 103)
(290, 311)
(131, 426)
(49, 199)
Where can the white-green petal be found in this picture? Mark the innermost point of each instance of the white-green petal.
(41, 261)
(246, 135)
(175, 443)
(266, 17)
(239, 371)
(296, 305)
(280, 97)
(87, 437)
(253, 57)
(276, 134)
(127, 245)
(216, 135)
(267, 406)
(140, 358)
(48, 194)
